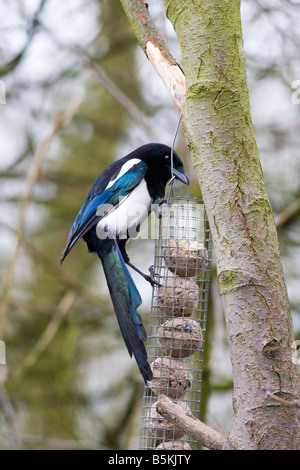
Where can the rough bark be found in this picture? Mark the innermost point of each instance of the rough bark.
(220, 135)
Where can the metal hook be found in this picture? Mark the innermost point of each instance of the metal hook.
(171, 182)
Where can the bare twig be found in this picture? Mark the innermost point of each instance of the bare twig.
(289, 213)
(295, 402)
(106, 82)
(60, 119)
(58, 444)
(62, 275)
(48, 335)
(13, 63)
(8, 413)
(199, 431)
(115, 91)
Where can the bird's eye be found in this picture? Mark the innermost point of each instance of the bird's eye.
(167, 157)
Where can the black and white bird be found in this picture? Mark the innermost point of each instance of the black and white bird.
(119, 201)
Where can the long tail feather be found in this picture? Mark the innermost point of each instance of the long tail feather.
(126, 299)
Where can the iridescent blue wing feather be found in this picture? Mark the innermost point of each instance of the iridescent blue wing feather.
(97, 207)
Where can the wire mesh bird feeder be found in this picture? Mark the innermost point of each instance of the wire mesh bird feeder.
(177, 320)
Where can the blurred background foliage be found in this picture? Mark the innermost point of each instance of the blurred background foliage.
(79, 94)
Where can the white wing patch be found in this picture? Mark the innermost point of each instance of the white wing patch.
(124, 170)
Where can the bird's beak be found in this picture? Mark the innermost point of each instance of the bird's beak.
(182, 176)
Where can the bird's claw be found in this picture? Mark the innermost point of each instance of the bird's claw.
(162, 200)
(157, 206)
(151, 278)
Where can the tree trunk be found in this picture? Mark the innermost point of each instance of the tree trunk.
(219, 132)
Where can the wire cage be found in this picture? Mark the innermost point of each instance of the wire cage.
(177, 321)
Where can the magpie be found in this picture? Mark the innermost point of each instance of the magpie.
(118, 202)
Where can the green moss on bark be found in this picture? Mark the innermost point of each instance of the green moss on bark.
(219, 132)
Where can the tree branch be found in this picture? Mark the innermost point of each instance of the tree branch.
(282, 401)
(155, 49)
(47, 336)
(105, 81)
(199, 431)
(13, 63)
(220, 135)
(60, 119)
(9, 416)
(57, 444)
(288, 214)
(61, 274)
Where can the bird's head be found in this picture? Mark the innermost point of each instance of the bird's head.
(158, 158)
(178, 170)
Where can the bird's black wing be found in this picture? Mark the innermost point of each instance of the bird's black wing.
(109, 199)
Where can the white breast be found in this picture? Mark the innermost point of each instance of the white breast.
(131, 212)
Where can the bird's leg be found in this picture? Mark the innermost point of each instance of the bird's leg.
(157, 206)
(150, 278)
